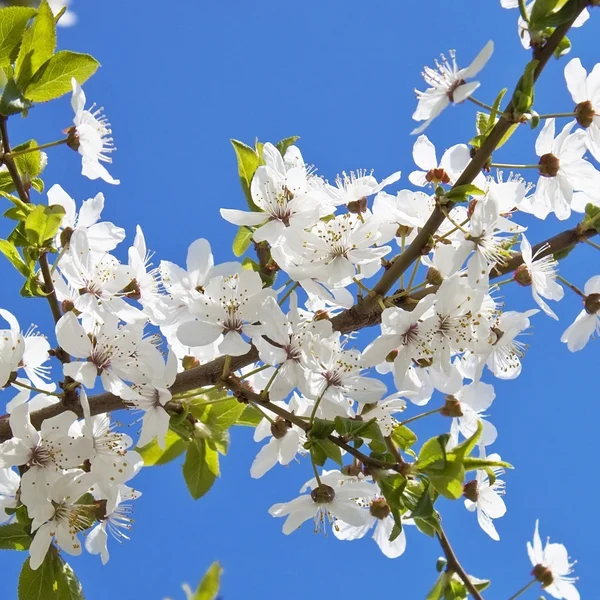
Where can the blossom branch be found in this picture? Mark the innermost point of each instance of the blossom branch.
(453, 565)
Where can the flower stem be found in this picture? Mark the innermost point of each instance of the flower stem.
(261, 411)
(60, 255)
(482, 104)
(314, 466)
(425, 414)
(414, 273)
(402, 247)
(226, 367)
(265, 392)
(592, 244)
(523, 11)
(314, 410)
(447, 215)
(507, 166)
(254, 372)
(12, 153)
(570, 285)
(362, 286)
(523, 589)
(555, 115)
(288, 293)
(505, 281)
(36, 390)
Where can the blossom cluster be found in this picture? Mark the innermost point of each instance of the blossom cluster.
(129, 327)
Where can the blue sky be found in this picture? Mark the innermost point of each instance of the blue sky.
(178, 80)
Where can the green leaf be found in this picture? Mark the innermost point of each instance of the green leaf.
(462, 191)
(592, 218)
(472, 464)
(321, 450)
(52, 580)
(9, 250)
(563, 47)
(285, 143)
(403, 437)
(432, 451)
(507, 135)
(38, 185)
(523, 95)
(223, 415)
(392, 488)
(250, 417)
(54, 77)
(242, 240)
(154, 455)
(495, 108)
(248, 161)
(321, 428)
(30, 164)
(38, 45)
(209, 586)
(481, 123)
(12, 101)
(201, 467)
(42, 223)
(13, 21)
(14, 536)
(437, 590)
(465, 448)
(250, 265)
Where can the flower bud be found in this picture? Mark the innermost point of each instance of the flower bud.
(65, 236)
(351, 470)
(522, 276)
(67, 306)
(543, 575)
(189, 362)
(323, 494)
(437, 176)
(592, 304)
(471, 490)
(403, 230)
(584, 113)
(451, 408)
(357, 206)
(549, 165)
(433, 276)
(379, 508)
(72, 138)
(280, 428)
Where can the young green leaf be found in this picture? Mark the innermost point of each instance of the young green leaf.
(9, 250)
(209, 586)
(13, 21)
(250, 417)
(54, 77)
(38, 45)
(403, 437)
(14, 536)
(154, 455)
(242, 240)
(42, 223)
(322, 449)
(285, 143)
(52, 580)
(248, 161)
(201, 467)
(30, 164)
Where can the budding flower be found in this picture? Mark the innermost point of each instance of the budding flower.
(549, 165)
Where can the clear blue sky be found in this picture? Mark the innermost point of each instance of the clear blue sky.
(178, 80)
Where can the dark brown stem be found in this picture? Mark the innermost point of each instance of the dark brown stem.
(243, 392)
(453, 566)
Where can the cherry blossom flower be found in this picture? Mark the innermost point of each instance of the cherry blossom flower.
(116, 521)
(552, 568)
(381, 519)
(485, 497)
(61, 519)
(473, 400)
(334, 498)
(288, 333)
(117, 354)
(225, 312)
(12, 347)
(102, 237)
(562, 171)
(90, 137)
(44, 452)
(540, 274)
(356, 186)
(585, 91)
(447, 85)
(9, 487)
(587, 322)
(452, 164)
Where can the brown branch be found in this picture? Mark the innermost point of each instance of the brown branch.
(241, 391)
(365, 312)
(453, 566)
